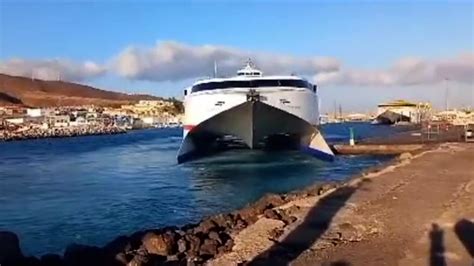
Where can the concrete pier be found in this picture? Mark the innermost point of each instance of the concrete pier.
(379, 149)
(418, 210)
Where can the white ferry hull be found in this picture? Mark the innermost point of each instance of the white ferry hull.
(256, 121)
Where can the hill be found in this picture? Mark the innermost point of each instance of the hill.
(41, 93)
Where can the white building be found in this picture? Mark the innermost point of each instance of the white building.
(15, 120)
(402, 111)
(34, 112)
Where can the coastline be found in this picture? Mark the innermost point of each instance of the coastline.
(248, 236)
(200, 242)
(60, 133)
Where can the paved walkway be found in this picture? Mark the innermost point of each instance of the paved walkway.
(418, 212)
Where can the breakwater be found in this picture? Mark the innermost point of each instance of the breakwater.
(38, 133)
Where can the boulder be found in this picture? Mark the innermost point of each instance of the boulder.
(194, 244)
(205, 226)
(139, 260)
(9, 248)
(182, 245)
(229, 244)
(286, 218)
(249, 215)
(271, 214)
(269, 201)
(215, 236)
(275, 233)
(160, 244)
(223, 220)
(209, 248)
(239, 225)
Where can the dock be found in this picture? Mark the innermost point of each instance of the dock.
(376, 149)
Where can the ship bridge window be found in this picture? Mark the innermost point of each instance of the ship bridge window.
(295, 83)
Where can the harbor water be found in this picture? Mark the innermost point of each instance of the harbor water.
(89, 190)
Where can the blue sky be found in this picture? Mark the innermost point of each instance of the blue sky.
(368, 35)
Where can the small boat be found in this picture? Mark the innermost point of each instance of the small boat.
(261, 111)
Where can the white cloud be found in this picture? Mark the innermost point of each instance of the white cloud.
(173, 61)
(52, 69)
(406, 71)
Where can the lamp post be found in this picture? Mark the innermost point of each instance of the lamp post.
(446, 94)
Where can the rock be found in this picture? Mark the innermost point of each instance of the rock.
(286, 218)
(292, 210)
(269, 201)
(80, 255)
(182, 245)
(205, 226)
(275, 233)
(249, 215)
(139, 260)
(227, 247)
(9, 248)
(405, 156)
(271, 214)
(209, 248)
(160, 244)
(180, 232)
(52, 260)
(215, 236)
(239, 225)
(223, 220)
(291, 219)
(194, 244)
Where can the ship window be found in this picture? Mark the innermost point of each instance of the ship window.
(295, 83)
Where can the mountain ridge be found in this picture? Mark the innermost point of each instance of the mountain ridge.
(15, 90)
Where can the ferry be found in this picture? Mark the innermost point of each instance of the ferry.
(261, 112)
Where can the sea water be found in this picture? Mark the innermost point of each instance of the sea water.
(89, 190)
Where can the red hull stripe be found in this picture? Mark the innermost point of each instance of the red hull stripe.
(188, 127)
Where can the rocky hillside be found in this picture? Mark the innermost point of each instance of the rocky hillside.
(38, 93)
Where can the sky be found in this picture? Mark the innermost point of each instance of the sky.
(360, 53)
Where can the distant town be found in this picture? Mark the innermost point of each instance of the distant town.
(19, 122)
(399, 112)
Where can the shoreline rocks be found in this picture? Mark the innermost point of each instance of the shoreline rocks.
(192, 244)
(59, 132)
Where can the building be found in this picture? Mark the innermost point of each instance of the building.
(58, 120)
(357, 117)
(148, 108)
(402, 111)
(455, 117)
(15, 120)
(34, 112)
